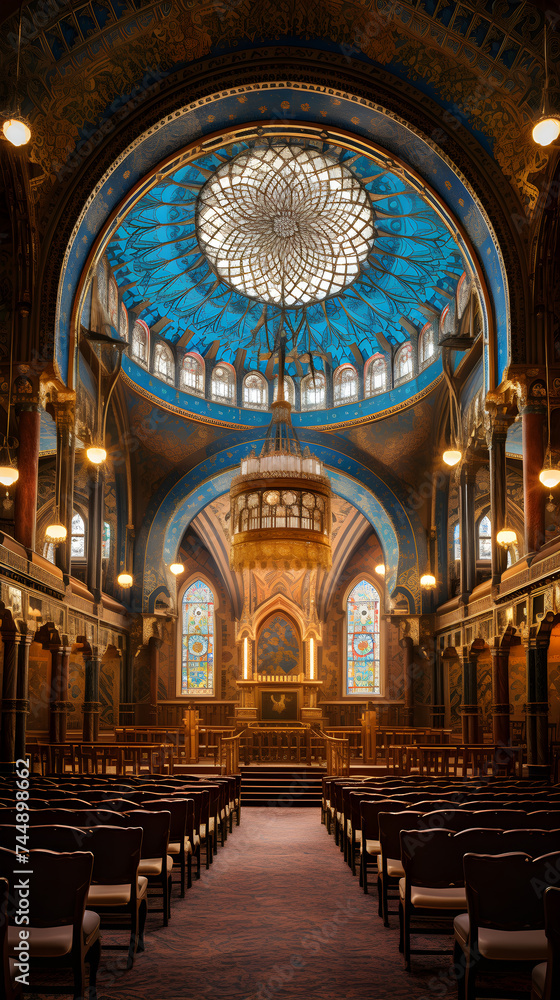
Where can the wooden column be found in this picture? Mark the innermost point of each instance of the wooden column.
(154, 645)
(59, 649)
(496, 439)
(468, 552)
(537, 704)
(438, 693)
(22, 694)
(65, 445)
(469, 707)
(500, 689)
(92, 705)
(534, 494)
(95, 532)
(10, 640)
(407, 646)
(25, 510)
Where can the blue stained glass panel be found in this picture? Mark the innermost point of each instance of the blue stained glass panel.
(197, 647)
(363, 675)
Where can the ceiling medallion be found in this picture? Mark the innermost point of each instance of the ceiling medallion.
(286, 225)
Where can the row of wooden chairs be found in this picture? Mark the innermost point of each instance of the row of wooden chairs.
(420, 849)
(130, 836)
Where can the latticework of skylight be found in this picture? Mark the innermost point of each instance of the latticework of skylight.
(409, 255)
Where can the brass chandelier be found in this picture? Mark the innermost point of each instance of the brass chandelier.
(280, 502)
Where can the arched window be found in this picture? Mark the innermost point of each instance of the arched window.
(197, 640)
(255, 391)
(345, 385)
(106, 541)
(223, 384)
(457, 541)
(113, 305)
(462, 294)
(313, 391)
(78, 540)
(426, 344)
(192, 375)
(376, 376)
(403, 362)
(289, 390)
(164, 364)
(484, 538)
(363, 661)
(140, 341)
(123, 325)
(48, 551)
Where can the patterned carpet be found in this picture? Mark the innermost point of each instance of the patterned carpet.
(279, 915)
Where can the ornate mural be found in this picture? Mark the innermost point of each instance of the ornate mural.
(278, 648)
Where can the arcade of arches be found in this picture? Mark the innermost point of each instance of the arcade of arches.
(271, 261)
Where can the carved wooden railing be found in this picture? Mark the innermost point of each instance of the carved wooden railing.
(456, 761)
(102, 758)
(337, 755)
(228, 753)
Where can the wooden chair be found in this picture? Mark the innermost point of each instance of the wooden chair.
(9, 988)
(391, 870)
(63, 933)
(117, 892)
(370, 845)
(546, 977)
(503, 929)
(155, 863)
(179, 846)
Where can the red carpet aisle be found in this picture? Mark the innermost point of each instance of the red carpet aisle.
(279, 915)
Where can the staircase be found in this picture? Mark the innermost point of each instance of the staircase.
(286, 786)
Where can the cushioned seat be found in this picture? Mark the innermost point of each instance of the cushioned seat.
(152, 866)
(115, 895)
(522, 946)
(539, 977)
(175, 847)
(394, 868)
(55, 942)
(373, 847)
(426, 897)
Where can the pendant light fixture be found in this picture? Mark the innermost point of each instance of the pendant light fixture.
(506, 537)
(125, 578)
(380, 569)
(547, 128)
(15, 128)
(96, 454)
(550, 475)
(56, 531)
(428, 581)
(453, 454)
(177, 569)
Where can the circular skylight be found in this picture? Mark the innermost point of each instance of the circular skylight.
(286, 225)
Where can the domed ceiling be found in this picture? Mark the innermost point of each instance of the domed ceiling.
(331, 247)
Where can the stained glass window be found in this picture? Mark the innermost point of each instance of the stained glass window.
(197, 648)
(345, 385)
(140, 337)
(192, 375)
(113, 303)
(123, 328)
(363, 676)
(102, 271)
(484, 538)
(255, 391)
(426, 344)
(164, 366)
(106, 543)
(78, 543)
(403, 362)
(313, 391)
(223, 384)
(457, 541)
(376, 376)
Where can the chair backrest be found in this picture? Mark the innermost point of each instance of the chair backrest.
(430, 858)
(544, 819)
(506, 891)
(155, 826)
(531, 842)
(369, 812)
(60, 885)
(178, 810)
(75, 817)
(390, 826)
(445, 819)
(115, 849)
(552, 929)
(503, 819)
